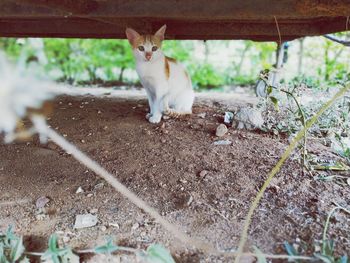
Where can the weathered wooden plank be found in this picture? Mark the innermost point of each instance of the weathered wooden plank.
(186, 19)
(177, 29)
(176, 9)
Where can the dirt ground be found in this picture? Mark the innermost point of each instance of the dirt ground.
(203, 188)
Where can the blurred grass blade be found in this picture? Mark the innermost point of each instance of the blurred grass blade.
(338, 166)
(260, 256)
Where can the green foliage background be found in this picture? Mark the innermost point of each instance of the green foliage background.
(106, 61)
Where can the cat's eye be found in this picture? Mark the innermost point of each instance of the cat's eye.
(154, 48)
(141, 48)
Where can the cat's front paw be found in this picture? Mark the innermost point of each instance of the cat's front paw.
(155, 118)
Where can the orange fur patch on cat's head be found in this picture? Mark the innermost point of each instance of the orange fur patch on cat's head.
(136, 40)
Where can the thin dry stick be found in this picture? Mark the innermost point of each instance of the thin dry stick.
(278, 166)
(41, 126)
(347, 23)
(134, 250)
(278, 30)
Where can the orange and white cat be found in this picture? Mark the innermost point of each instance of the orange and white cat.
(167, 84)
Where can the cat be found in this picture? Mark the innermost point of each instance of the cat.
(167, 84)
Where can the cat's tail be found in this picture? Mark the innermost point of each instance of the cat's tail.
(176, 114)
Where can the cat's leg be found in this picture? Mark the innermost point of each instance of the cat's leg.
(150, 97)
(156, 110)
(160, 104)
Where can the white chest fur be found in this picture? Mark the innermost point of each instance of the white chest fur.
(150, 70)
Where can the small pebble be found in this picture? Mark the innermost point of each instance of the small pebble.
(223, 142)
(116, 225)
(221, 130)
(41, 202)
(84, 221)
(228, 118)
(99, 186)
(79, 190)
(203, 173)
(190, 200)
(248, 118)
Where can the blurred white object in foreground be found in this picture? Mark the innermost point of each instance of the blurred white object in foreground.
(20, 91)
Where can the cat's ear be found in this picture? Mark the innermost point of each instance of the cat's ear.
(132, 35)
(160, 33)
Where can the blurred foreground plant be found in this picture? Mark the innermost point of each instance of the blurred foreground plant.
(12, 250)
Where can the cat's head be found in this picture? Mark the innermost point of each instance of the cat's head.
(146, 47)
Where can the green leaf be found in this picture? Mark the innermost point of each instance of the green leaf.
(343, 259)
(2, 254)
(260, 256)
(156, 253)
(53, 244)
(17, 249)
(324, 258)
(56, 255)
(290, 249)
(9, 236)
(275, 102)
(269, 90)
(108, 248)
(328, 248)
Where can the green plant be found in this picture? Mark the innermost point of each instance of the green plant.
(205, 76)
(11, 248)
(55, 254)
(326, 254)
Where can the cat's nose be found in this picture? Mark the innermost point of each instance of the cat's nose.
(148, 55)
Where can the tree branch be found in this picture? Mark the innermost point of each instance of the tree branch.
(338, 40)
